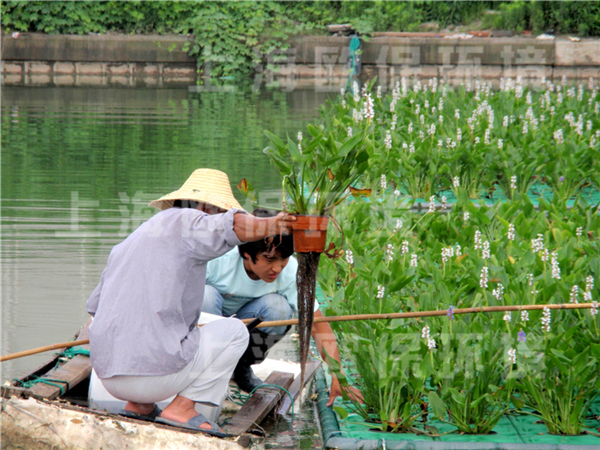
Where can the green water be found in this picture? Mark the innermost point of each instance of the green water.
(79, 166)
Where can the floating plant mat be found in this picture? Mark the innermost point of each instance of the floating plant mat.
(512, 430)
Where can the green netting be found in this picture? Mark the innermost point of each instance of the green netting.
(513, 431)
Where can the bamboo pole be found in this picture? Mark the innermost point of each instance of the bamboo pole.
(407, 315)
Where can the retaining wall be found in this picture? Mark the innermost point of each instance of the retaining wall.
(33, 58)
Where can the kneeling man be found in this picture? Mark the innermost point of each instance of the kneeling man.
(258, 279)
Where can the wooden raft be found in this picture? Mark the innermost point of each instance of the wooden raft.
(295, 389)
(72, 373)
(259, 404)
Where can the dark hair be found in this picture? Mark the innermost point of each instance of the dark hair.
(284, 244)
(186, 204)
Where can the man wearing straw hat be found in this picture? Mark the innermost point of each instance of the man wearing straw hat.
(145, 345)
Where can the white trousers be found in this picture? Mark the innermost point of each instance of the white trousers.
(204, 380)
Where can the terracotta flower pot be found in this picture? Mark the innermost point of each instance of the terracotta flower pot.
(310, 233)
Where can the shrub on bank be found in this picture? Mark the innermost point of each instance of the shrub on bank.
(234, 36)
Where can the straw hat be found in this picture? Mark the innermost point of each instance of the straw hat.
(205, 186)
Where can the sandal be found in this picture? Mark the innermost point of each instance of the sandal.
(147, 417)
(194, 424)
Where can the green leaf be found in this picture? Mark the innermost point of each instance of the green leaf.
(438, 407)
(341, 411)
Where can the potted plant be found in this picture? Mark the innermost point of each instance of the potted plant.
(315, 178)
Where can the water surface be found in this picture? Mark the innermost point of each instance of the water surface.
(79, 166)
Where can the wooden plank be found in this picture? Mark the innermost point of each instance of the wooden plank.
(295, 389)
(72, 372)
(258, 406)
(12, 391)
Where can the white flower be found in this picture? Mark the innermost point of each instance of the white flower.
(380, 291)
(441, 119)
(357, 116)
(383, 182)
(431, 204)
(555, 268)
(477, 239)
(388, 139)
(394, 121)
(398, 225)
(498, 294)
(558, 136)
(413, 260)
(355, 91)
(500, 143)
(299, 136)
(350, 130)
(390, 251)
(425, 332)
(485, 254)
(396, 192)
(457, 113)
(524, 316)
(537, 245)
(447, 252)
(505, 122)
(444, 202)
(458, 250)
(546, 319)
(530, 279)
(579, 231)
(349, 257)
(574, 293)
(545, 255)
(368, 111)
(512, 356)
(344, 103)
(594, 309)
(458, 135)
(431, 343)
(483, 278)
(466, 216)
(589, 283)
(511, 232)
(404, 248)
(456, 182)
(477, 139)
(513, 182)
(378, 91)
(411, 148)
(410, 127)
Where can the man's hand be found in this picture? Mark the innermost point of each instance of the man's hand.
(282, 224)
(249, 228)
(335, 391)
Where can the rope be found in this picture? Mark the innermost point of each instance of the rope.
(71, 352)
(239, 398)
(279, 387)
(50, 381)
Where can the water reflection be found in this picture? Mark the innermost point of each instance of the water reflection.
(79, 166)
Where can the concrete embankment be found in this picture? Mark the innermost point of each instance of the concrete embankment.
(151, 60)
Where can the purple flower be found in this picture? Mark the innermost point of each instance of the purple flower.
(561, 179)
(450, 313)
(521, 337)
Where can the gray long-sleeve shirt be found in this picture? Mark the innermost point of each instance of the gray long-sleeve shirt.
(150, 295)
